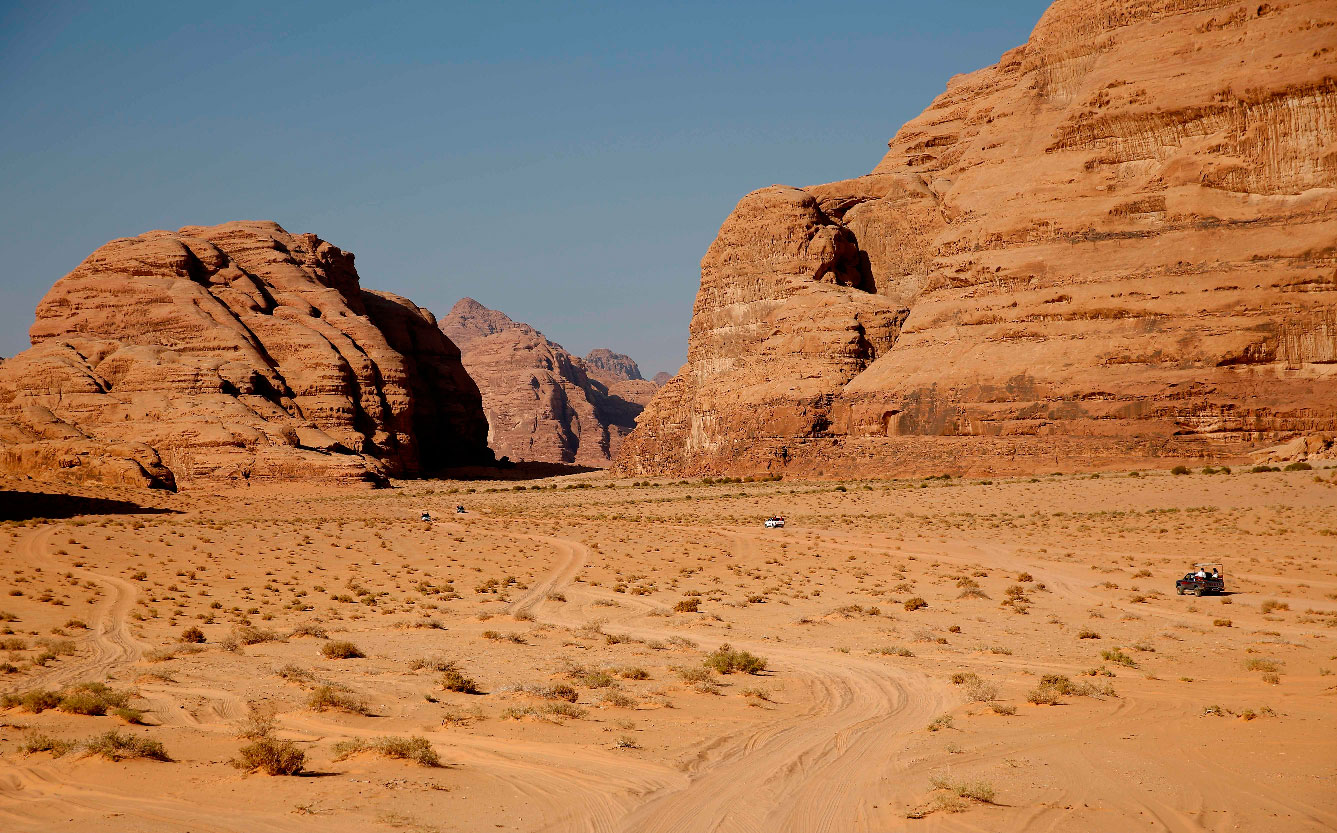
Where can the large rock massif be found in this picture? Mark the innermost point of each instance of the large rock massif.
(544, 404)
(237, 351)
(1117, 245)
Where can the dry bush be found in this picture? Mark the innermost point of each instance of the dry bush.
(309, 629)
(417, 749)
(454, 680)
(726, 660)
(687, 606)
(555, 691)
(328, 698)
(634, 672)
(37, 742)
(341, 650)
(248, 635)
(271, 756)
(1268, 665)
(915, 603)
(192, 635)
(894, 650)
(114, 746)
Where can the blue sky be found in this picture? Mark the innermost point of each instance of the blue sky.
(566, 163)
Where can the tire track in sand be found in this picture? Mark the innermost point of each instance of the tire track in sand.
(110, 640)
(817, 772)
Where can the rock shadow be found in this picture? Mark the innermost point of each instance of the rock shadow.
(24, 506)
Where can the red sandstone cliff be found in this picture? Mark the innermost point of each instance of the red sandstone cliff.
(236, 351)
(1116, 244)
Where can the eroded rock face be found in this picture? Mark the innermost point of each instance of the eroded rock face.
(1115, 245)
(240, 351)
(543, 404)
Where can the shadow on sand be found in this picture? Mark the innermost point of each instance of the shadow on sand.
(513, 471)
(24, 506)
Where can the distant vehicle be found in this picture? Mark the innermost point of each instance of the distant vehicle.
(459, 510)
(427, 516)
(1201, 580)
(775, 522)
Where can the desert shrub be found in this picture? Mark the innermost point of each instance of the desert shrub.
(92, 699)
(341, 650)
(942, 721)
(438, 664)
(1222, 623)
(271, 756)
(1270, 666)
(1180, 470)
(294, 674)
(1263, 469)
(1003, 708)
(454, 680)
(248, 635)
(1116, 655)
(894, 650)
(687, 606)
(417, 749)
(589, 677)
(115, 745)
(35, 701)
(1087, 633)
(726, 660)
(1299, 465)
(690, 674)
(562, 709)
(1272, 604)
(979, 691)
(556, 691)
(192, 635)
(634, 672)
(33, 743)
(309, 629)
(915, 603)
(618, 699)
(963, 677)
(981, 791)
(1043, 696)
(328, 698)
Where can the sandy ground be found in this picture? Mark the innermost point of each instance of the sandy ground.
(1177, 713)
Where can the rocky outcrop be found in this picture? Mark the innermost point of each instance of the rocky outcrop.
(1114, 246)
(621, 375)
(543, 404)
(238, 351)
(661, 378)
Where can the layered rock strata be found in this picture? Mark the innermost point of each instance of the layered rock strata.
(237, 351)
(543, 404)
(1114, 247)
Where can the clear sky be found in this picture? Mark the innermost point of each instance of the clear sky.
(566, 163)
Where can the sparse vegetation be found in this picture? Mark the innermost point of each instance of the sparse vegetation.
(340, 650)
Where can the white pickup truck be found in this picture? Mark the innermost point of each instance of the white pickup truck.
(775, 523)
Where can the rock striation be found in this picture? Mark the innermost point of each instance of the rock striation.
(1114, 246)
(238, 352)
(543, 404)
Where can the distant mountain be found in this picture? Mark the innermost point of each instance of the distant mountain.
(542, 403)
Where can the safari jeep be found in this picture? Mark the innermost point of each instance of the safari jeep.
(1196, 585)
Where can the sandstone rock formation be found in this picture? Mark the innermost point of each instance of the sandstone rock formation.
(621, 375)
(237, 351)
(1115, 246)
(661, 378)
(543, 404)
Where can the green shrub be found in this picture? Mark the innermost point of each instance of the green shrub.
(726, 660)
(1180, 470)
(1117, 656)
(1299, 465)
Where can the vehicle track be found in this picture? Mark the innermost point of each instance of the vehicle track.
(110, 641)
(817, 771)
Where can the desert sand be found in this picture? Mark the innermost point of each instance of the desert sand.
(567, 603)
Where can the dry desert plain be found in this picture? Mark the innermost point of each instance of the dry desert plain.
(1051, 680)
